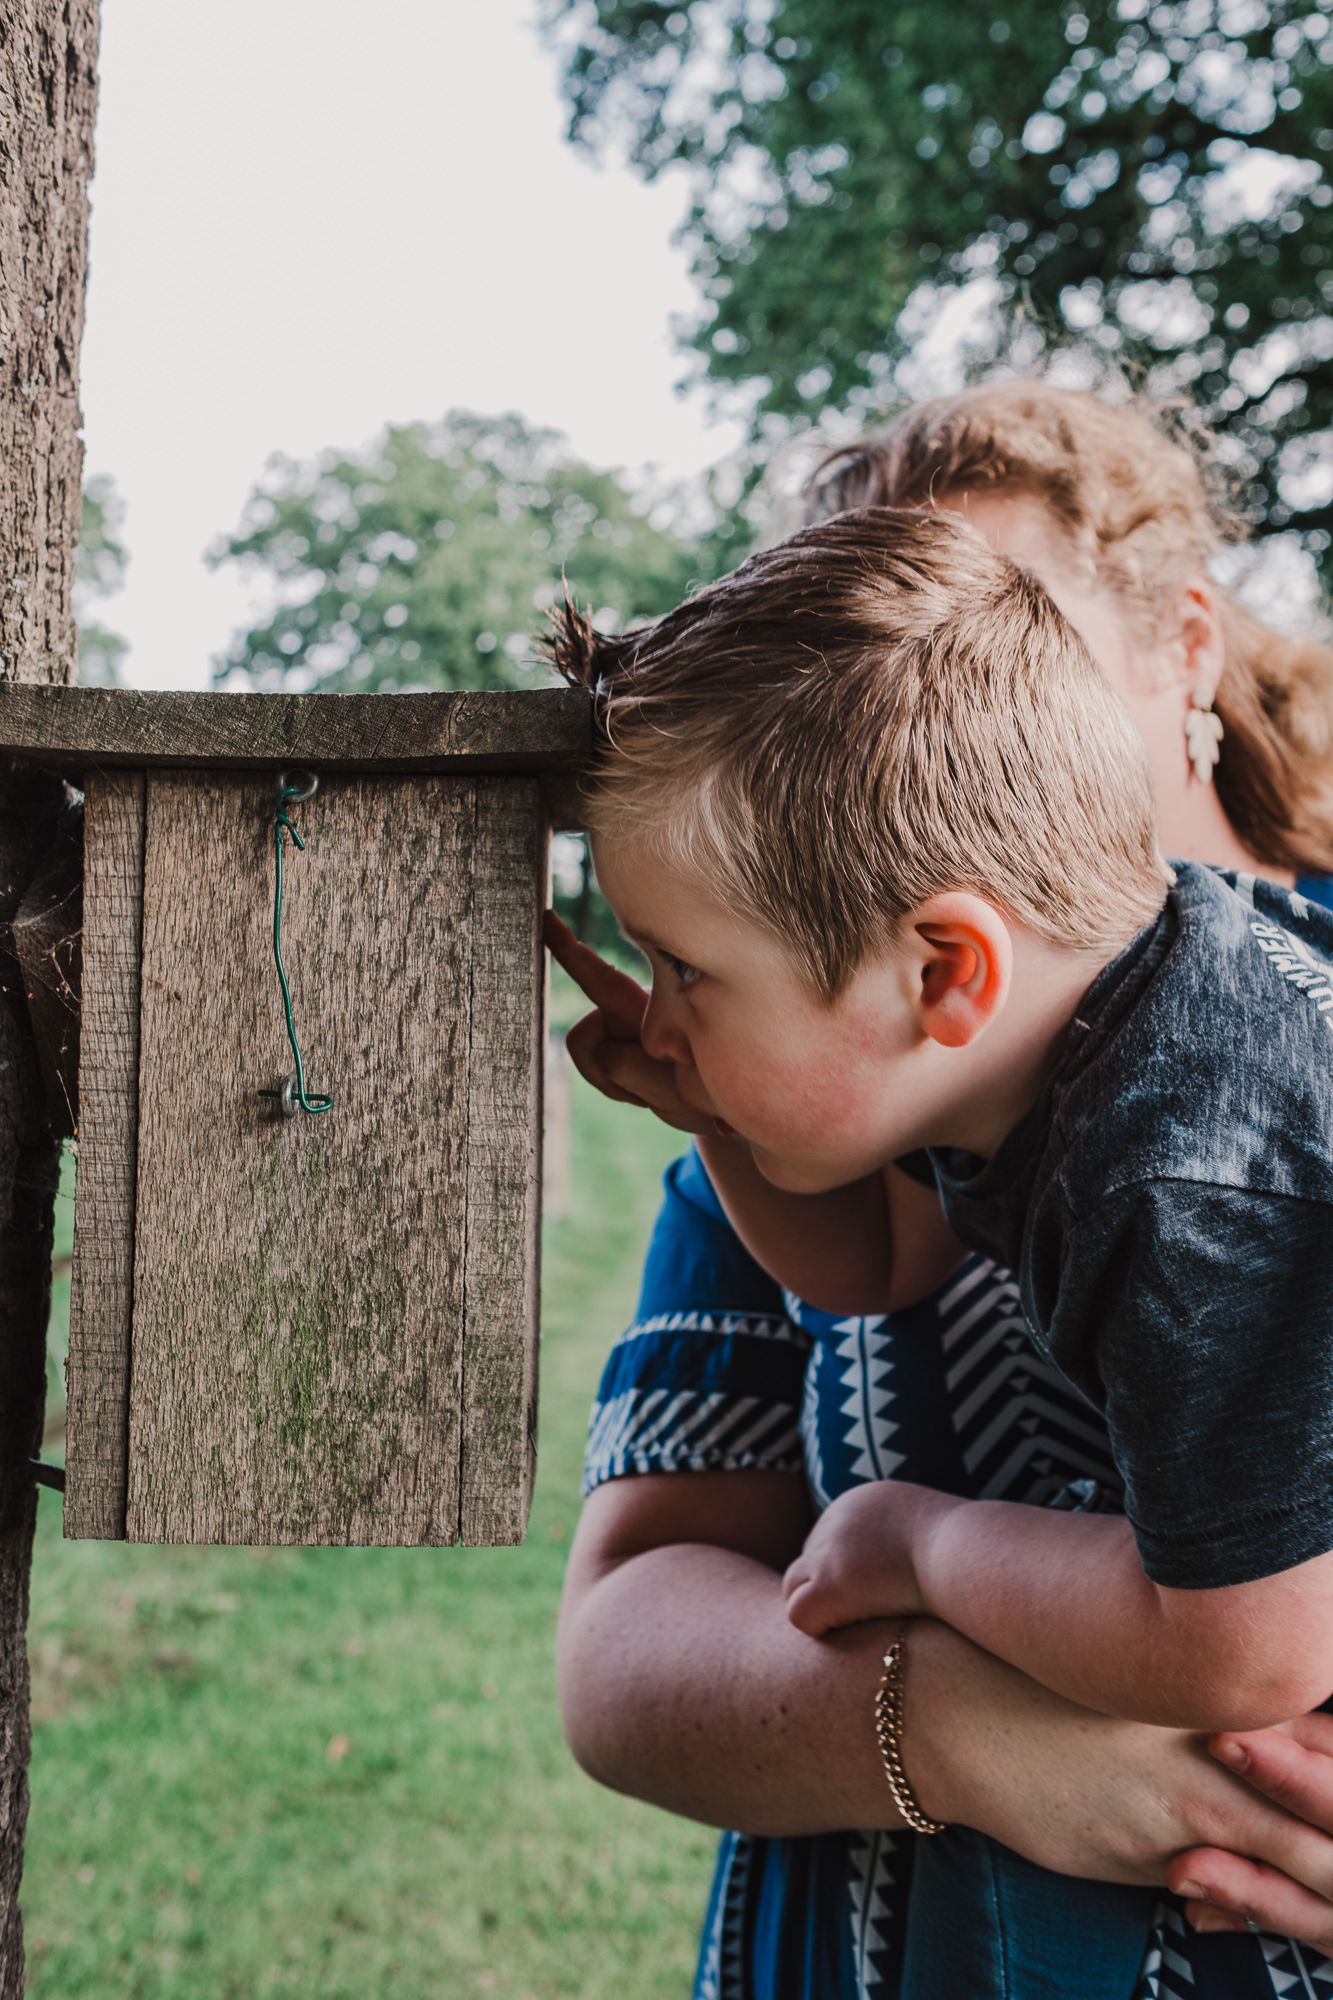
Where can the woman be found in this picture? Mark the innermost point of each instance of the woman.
(681, 1681)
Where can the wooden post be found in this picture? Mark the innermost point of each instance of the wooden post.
(48, 52)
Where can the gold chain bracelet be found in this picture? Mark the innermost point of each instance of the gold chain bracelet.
(889, 1733)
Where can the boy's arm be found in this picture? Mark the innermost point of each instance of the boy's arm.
(1065, 1598)
(877, 1245)
(1197, 1315)
(806, 1242)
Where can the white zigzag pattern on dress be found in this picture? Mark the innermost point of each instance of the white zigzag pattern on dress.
(1008, 1399)
(1166, 1975)
(652, 1430)
(1292, 1969)
(869, 1879)
(814, 1458)
(755, 1326)
(868, 1351)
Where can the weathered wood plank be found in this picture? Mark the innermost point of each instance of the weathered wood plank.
(505, 1074)
(300, 1283)
(102, 1282)
(566, 809)
(530, 730)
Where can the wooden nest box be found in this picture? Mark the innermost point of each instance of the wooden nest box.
(314, 1329)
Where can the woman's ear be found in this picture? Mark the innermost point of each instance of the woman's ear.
(966, 960)
(1201, 640)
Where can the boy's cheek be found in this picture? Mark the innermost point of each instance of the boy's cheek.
(810, 1128)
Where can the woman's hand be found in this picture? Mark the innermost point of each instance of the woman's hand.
(605, 1046)
(1293, 1766)
(1085, 1794)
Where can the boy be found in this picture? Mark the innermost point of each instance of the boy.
(887, 840)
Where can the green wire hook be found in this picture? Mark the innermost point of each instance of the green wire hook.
(293, 1095)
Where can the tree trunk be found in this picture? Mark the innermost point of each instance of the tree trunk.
(48, 54)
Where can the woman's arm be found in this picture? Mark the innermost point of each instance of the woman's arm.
(677, 1681)
(683, 1683)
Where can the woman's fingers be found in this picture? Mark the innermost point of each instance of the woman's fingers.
(1223, 1890)
(1274, 1857)
(1292, 1765)
(615, 995)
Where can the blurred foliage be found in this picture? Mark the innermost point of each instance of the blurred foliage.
(428, 560)
(100, 562)
(1148, 179)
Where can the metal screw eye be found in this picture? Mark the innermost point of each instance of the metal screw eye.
(288, 792)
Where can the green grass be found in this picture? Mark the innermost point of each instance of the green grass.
(339, 1773)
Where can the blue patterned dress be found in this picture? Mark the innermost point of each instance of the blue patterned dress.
(721, 1372)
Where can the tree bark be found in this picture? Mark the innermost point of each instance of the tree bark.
(48, 53)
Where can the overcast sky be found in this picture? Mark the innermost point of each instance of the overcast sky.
(311, 217)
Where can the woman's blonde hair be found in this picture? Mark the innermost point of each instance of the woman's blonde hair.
(1141, 508)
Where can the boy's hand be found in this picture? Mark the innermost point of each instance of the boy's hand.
(858, 1560)
(605, 1046)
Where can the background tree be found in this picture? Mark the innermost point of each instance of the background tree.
(48, 86)
(1150, 177)
(426, 561)
(100, 562)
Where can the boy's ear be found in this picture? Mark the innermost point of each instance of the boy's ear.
(966, 959)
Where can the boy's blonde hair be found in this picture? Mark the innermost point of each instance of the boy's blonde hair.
(875, 711)
(1139, 508)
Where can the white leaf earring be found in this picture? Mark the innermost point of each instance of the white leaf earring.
(1203, 735)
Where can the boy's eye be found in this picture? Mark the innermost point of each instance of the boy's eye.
(685, 973)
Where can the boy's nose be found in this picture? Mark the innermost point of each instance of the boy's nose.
(661, 1038)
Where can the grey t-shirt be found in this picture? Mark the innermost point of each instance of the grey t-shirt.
(1168, 1207)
